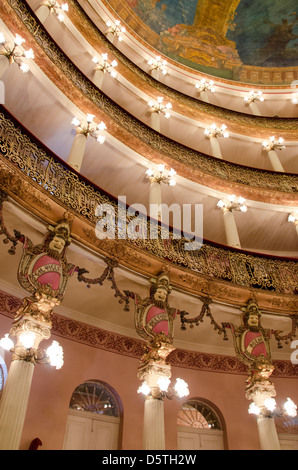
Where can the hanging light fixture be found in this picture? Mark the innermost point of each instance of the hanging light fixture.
(15, 53)
(88, 127)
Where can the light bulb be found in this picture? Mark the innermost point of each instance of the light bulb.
(27, 338)
(64, 7)
(270, 404)
(160, 168)
(181, 388)
(18, 40)
(29, 54)
(24, 68)
(114, 63)
(90, 118)
(2, 38)
(290, 408)
(292, 218)
(254, 409)
(163, 383)
(101, 126)
(149, 172)
(55, 354)
(75, 121)
(101, 139)
(144, 389)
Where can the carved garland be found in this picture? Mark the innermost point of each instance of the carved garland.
(115, 343)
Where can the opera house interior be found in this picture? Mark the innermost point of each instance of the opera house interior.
(148, 225)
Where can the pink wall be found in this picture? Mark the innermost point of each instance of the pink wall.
(51, 391)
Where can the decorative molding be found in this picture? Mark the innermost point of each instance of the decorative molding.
(134, 348)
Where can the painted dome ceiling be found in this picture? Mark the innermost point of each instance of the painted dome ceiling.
(246, 41)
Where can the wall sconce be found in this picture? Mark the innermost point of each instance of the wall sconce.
(25, 349)
(158, 65)
(274, 144)
(214, 131)
(160, 108)
(104, 66)
(233, 203)
(269, 409)
(205, 86)
(253, 97)
(162, 176)
(163, 389)
(116, 30)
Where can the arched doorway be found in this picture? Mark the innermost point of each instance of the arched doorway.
(94, 419)
(199, 426)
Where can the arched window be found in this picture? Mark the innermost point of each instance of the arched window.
(95, 397)
(94, 419)
(200, 426)
(197, 414)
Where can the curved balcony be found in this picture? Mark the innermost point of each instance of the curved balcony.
(41, 182)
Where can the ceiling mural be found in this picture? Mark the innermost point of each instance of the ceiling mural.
(220, 37)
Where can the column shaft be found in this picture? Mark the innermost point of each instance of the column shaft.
(13, 404)
(215, 147)
(155, 121)
(274, 160)
(254, 108)
(154, 428)
(267, 433)
(231, 229)
(42, 13)
(98, 78)
(155, 201)
(4, 65)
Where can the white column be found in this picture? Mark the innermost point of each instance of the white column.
(155, 200)
(98, 77)
(42, 13)
(267, 433)
(76, 154)
(205, 96)
(111, 37)
(274, 160)
(13, 404)
(155, 73)
(254, 108)
(154, 427)
(155, 121)
(215, 147)
(4, 65)
(231, 229)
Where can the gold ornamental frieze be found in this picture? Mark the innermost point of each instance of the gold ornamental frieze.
(46, 186)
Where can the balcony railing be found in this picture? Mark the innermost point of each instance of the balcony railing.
(28, 157)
